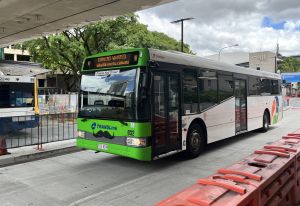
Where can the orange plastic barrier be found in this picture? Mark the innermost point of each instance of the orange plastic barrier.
(270, 176)
(3, 148)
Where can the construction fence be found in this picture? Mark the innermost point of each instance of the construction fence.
(268, 177)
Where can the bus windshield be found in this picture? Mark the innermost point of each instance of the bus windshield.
(16, 95)
(108, 94)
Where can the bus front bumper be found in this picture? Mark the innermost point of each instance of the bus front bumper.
(143, 154)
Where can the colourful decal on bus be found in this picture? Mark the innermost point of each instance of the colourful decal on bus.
(275, 110)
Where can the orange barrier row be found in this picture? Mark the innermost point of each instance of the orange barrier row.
(270, 176)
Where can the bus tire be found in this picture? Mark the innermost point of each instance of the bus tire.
(195, 141)
(266, 122)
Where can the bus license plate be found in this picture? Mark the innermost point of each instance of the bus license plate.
(103, 146)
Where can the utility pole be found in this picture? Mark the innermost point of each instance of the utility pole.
(182, 20)
(219, 54)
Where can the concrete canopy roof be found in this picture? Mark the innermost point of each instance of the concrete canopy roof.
(14, 68)
(25, 19)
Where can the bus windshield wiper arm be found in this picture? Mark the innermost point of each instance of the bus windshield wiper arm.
(107, 94)
(122, 122)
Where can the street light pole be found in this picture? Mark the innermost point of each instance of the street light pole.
(234, 45)
(182, 20)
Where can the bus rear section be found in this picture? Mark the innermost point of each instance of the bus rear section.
(17, 103)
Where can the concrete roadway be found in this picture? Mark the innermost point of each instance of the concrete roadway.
(89, 179)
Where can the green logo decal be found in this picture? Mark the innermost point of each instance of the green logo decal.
(101, 126)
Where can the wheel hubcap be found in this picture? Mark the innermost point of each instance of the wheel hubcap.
(195, 140)
(266, 123)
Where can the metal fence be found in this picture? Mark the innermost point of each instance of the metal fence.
(39, 129)
(57, 103)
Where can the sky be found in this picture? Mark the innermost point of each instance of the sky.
(255, 25)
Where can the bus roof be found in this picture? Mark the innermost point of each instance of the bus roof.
(196, 61)
(16, 79)
(178, 58)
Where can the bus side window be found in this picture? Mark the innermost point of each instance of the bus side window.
(225, 87)
(190, 93)
(265, 86)
(275, 87)
(4, 95)
(208, 89)
(254, 86)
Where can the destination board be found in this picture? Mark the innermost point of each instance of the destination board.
(117, 60)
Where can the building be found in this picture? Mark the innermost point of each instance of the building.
(16, 54)
(264, 60)
(237, 58)
(55, 82)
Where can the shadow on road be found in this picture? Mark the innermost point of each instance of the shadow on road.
(225, 142)
(168, 161)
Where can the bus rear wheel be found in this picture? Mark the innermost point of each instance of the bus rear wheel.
(195, 141)
(266, 122)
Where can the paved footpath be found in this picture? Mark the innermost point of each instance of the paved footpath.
(88, 179)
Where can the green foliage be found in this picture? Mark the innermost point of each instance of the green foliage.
(289, 64)
(65, 51)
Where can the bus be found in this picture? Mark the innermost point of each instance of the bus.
(146, 103)
(18, 103)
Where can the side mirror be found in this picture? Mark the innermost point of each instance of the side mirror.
(144, 80)
(153, 64)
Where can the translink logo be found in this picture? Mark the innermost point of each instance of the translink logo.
(94, 125)
(101, 126)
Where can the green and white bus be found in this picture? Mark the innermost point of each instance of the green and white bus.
(146, 103)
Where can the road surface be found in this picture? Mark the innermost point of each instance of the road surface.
(88, 179)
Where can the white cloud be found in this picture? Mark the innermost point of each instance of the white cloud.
(219, 23)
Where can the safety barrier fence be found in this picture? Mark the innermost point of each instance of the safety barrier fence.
(268, 177)
(36, 130)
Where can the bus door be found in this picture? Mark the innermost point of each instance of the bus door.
(240, 93)
(165, 111)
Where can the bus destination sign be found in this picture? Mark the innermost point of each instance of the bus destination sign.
(117, 60)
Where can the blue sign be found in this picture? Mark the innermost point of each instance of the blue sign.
(291, 77)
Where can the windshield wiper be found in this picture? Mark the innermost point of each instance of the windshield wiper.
(124, 123)
(107, 94)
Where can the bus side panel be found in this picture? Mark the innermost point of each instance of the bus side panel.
(14, 112)
(257, 106)
(276, 109)
(219, 120)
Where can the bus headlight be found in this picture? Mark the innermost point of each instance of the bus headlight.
(136, 142)
(81, 134)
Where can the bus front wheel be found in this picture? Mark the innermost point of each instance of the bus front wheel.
(266, 123)
(195, 141)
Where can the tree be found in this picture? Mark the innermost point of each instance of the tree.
(289, 64)
(65, 51)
